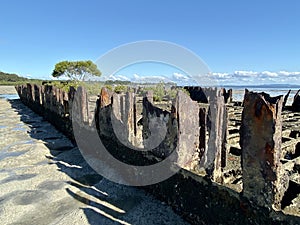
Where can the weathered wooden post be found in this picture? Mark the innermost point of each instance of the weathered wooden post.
(264, 181)
(122, 118)
(203, 129)
(147, 103)
(103, 112)
(286, 99)
(105, 97)
(37, 94)
(80, 107)
(188, 131)
(129, 117)
(30, 93)
(215, 151)
(71, 95)
(149, 96)
(296, 102)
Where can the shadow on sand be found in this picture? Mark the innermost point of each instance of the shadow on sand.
(102, 200)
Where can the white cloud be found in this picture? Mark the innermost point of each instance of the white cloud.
(180, 77)
(245, 73)
(151, 79)
(285, 73)
(240, 77)
(220, 75)
(136, 76)
(243, 77)
(269, 74)
(118, 77)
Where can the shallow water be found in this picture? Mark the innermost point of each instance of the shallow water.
(238, 94)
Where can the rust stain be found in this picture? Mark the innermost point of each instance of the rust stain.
(269, 153)
(269, 160)
(262, 113)
(105, 97)
(232, 159)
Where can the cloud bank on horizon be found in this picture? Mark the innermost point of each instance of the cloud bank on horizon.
(178, 78)
(236, 78)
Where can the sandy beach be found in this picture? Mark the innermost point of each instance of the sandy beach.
(45, 180)
(7, 90)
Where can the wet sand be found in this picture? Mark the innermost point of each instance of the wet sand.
(45, 180)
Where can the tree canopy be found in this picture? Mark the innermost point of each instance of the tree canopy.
(76, 70)
(10, 77)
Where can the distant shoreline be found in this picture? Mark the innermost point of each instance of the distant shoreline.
(263, 86)
(238, 90)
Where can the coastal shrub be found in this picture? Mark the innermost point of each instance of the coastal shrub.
(92, 88)
(184, 91)
(64, 85)
(120, 88)
(159, 92)
(109, 87)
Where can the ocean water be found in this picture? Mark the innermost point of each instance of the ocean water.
(238, 93)
(9, 96)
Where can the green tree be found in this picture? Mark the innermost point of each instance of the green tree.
(76, 70)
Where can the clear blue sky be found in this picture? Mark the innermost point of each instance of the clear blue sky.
(228, 35)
